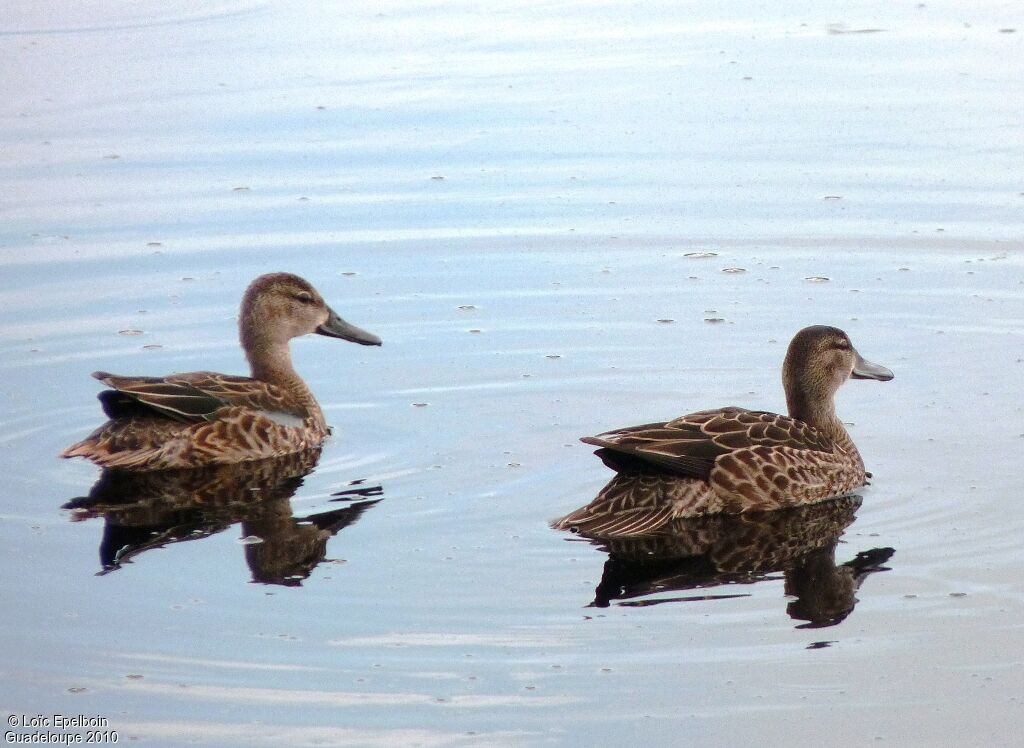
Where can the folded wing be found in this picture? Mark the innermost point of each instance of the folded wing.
(690, 446)
(188, 398)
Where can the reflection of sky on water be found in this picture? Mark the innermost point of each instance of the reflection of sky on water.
(539, 173)
(595, 118)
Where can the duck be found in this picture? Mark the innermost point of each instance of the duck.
(202, 418)
(733, 460)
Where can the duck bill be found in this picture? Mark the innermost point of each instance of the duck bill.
(864, 369)
(336, 327)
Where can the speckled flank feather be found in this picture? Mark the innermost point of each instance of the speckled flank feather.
(734, 460)
(731, 461)
(203, 418)
(235, 434)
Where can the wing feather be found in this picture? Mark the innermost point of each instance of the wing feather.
(177, 400)
(198, 396)
(691, 445)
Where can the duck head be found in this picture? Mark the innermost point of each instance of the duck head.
(280, 306)
(819, 360)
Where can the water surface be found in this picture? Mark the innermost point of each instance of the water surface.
(561, 219)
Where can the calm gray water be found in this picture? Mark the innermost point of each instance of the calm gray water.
(561, 218)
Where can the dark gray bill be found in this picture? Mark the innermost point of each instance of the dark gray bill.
(336, 327)
(863, 369)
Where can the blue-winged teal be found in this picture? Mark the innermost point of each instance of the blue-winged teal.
(735, 460)
(204, 418)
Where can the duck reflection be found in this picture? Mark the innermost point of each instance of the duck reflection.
(717, 550)
(151, 510)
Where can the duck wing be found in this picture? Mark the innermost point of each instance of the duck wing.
(190, 398)
(690, 445)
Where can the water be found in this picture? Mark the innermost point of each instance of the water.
(542, 210)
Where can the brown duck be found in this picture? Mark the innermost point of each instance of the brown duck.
(204, 418)
(734, 460)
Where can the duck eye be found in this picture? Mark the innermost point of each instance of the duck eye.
(842, 345)
(305, 297)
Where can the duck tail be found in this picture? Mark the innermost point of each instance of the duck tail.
(84, 448)
(146, 459)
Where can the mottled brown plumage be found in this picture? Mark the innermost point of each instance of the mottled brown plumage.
(204, 418)
(734, 460)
